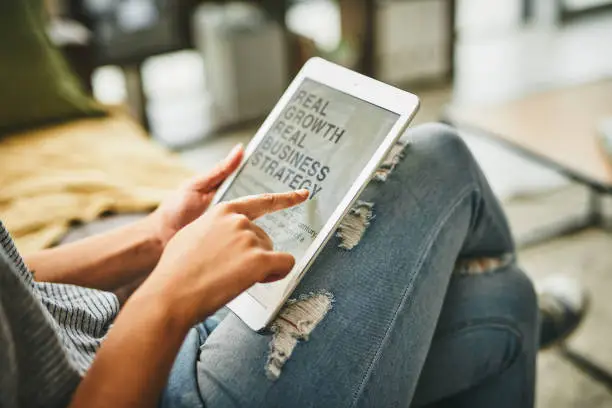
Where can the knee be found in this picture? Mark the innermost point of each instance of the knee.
(505, 295)
(529, 305)
(440, 140)
(520, 301)
(521, 308)
(439, 148)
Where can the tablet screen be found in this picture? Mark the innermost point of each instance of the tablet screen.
(321, 141)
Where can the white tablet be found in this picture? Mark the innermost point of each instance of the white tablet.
(328, 133)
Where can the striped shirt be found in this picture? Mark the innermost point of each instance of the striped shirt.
(49, 333)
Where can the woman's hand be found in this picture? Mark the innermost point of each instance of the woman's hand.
(205, 265)
(219, 255)
(192, 199)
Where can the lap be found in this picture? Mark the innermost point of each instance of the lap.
(481, 330)
(388, 295)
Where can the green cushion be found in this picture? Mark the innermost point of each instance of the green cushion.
(36, 85)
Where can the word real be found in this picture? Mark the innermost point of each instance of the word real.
(307, 113)
(283, 154)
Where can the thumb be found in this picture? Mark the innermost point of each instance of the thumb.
(279, 265)
(219, 173)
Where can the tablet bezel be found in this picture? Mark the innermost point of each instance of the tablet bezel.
(255, 314)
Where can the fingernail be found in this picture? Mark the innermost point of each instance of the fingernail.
(303, 193)
(235, 149)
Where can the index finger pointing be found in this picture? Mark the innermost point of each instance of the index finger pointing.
(258, 205)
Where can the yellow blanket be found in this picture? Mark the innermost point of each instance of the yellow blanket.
(54, 176)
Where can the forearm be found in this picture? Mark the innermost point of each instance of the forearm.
(106, 261)
(204, 266)
(132, 366)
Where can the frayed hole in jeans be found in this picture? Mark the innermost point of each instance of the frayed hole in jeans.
(294, 323)
(388, 165)
(354, 224)
(480, 265)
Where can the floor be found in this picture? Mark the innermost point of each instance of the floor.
(495, 62)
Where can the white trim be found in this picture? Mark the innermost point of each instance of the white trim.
(402, 103)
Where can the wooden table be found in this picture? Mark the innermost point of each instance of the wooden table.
(557, 129)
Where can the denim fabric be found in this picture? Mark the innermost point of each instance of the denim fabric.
(404, 329)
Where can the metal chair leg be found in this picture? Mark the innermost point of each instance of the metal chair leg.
(588, 367)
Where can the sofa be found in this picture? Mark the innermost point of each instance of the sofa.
(65, 160)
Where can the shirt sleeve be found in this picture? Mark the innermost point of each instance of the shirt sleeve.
(8, 374)
(35, 369)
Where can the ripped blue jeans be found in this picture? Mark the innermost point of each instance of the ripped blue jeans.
(430, 308)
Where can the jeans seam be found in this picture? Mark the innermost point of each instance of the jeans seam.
(500, 324)
(427, 244)
(482, 322)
